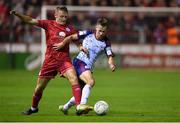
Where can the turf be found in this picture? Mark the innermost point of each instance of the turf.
(133, 95)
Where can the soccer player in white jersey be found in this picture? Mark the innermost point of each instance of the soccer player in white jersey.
(93, 44)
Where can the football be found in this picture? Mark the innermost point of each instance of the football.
(101, 107)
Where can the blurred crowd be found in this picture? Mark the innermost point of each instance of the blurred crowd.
(126, 27)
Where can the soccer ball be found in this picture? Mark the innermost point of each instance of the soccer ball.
(101, 107)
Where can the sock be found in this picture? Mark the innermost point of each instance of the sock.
(33, 109)
(70, 103)
(35, 100)
(85, 94)
(77, 93)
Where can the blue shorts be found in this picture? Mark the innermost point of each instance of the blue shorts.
(79, 66)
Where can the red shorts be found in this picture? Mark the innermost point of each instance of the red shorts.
(52, 66)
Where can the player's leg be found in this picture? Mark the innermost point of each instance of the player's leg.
(47, 72)
(40, 86)
(87, 77)
(69, 104)
(64, 108)
(70, 74)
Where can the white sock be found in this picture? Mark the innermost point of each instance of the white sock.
(33, 109)
(85, 94)
(70, 103)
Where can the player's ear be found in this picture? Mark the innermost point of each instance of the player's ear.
(96, 26)
(55, 14)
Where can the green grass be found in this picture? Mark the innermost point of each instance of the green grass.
(133, 95)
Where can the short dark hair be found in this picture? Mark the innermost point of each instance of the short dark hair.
(103, 21)
(62, 8)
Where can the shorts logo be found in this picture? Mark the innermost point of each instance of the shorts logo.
(62, 34)
(86, 67)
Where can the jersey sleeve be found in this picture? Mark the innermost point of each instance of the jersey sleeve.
(108, 49)
(83, 34)
(43, 24)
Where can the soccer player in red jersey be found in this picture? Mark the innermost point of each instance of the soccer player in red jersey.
(55, 60)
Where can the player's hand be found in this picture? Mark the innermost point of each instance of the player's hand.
(58, 46)
(112, 67)
(85, 50)
(12, 12)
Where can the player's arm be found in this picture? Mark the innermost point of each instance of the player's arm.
(67, 40)
(111, 63)
(24, 18)
(74, 37)
(110, 55)
(81, 48)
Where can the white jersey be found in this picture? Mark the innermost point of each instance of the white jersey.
(94, 46)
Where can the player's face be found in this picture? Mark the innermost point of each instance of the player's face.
(61, 17)
(101, 32)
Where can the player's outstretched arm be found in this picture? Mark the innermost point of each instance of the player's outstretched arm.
(67, 40)
(24, 18)
(111, 63)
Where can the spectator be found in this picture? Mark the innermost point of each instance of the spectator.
(3, 22)
(129, 34)
(141, 27)
(84, 2)
(172, 32)
(115, 2)
(160, 34)
(159, 3)
(138, 29)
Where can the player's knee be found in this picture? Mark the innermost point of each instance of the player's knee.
(91, 82)
(73, 79)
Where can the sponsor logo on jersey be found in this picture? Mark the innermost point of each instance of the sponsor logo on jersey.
(62, 34)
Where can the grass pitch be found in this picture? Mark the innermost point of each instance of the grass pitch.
(133, 95)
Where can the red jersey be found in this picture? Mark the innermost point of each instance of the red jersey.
(56, 33)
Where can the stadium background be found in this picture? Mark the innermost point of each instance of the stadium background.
(148, 38)
(145, 86)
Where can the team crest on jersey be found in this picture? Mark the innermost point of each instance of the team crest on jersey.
(62, 34)
(67, 29)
